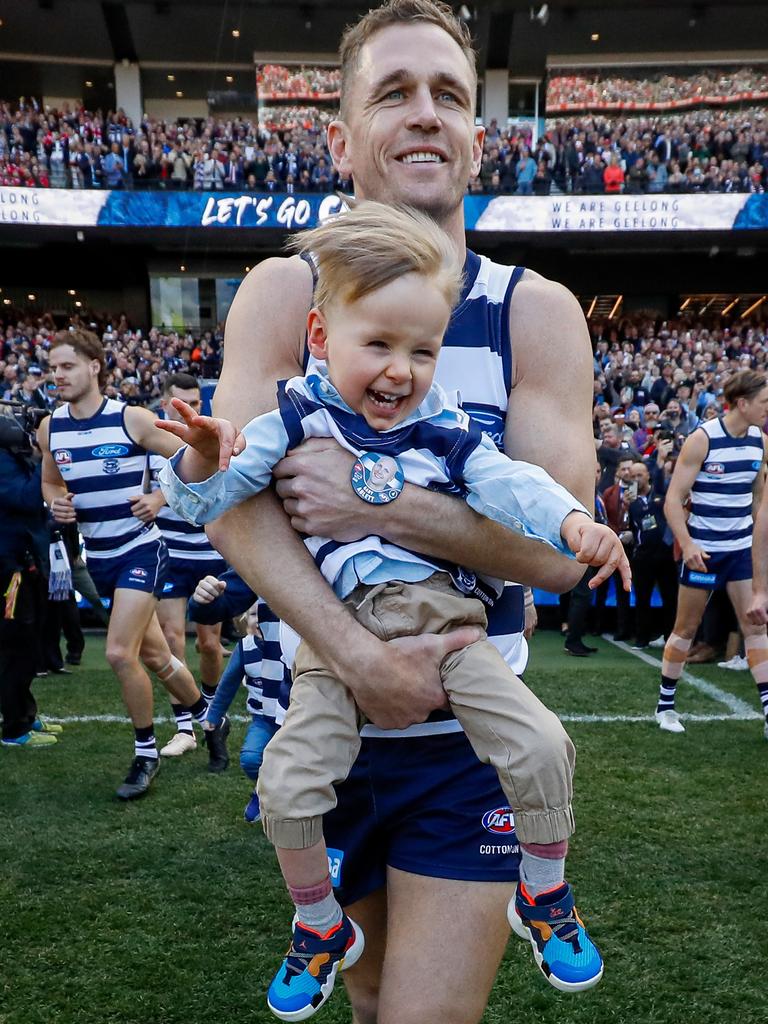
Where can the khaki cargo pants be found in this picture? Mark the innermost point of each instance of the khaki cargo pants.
(505, 722)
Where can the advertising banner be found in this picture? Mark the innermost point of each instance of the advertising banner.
(509, 214)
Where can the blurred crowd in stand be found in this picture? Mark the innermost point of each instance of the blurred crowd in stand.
(712, 150)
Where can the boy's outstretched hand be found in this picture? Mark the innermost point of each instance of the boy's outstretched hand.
(216, 440)
(594, 544)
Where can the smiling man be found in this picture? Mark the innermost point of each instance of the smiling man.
(417, 857)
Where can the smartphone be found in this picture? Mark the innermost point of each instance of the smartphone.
(632, 490)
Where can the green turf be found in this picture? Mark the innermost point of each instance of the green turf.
(171, 911)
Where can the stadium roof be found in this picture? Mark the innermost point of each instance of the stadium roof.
(57, 34)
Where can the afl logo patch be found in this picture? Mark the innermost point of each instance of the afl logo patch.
(500, 821)
(63, 457)
(109, 451)
(110, 466)
(139, 573)
(714, 468)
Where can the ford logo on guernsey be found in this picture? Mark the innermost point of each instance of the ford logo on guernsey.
(500, 821)
(109, 451)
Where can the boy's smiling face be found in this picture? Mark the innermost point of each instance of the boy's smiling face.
(381, 350)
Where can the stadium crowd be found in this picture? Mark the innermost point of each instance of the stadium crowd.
(655, 91)
(701, 151)
(654, 382)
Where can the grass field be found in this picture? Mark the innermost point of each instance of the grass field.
(171, 910)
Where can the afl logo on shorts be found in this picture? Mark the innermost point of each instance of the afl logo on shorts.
(500, 821)
(110, 466)
(63, 457)
(714, 468)
(139, 573)
(109, 451)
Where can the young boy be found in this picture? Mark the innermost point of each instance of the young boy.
(387, 280)
(256, 661)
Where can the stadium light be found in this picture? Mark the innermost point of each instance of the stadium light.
(753, 307)
(595, 37)
(541, 15)
(230, 79)
(235, 33)
(179, 94)
(616, 305)
(31, 297)
(171, 78)
(71, 291)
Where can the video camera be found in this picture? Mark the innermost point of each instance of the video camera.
(17, 431)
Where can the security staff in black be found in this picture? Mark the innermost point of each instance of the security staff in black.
(23, 586)
(653, 562)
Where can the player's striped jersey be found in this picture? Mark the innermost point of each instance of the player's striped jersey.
(721, 495)
(103, 467)
(185, 542)
(267, 679)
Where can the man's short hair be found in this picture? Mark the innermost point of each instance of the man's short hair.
(373, 244)
(86, 344)
(745, 384)
(400, 12)
(182, 381)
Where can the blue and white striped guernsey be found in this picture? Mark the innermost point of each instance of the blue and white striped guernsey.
(186, 543)
(267, 678)
(103, 467)
(721, 495)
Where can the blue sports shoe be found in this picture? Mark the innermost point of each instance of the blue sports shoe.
(566, 955)
(252, 812)
(306, 976)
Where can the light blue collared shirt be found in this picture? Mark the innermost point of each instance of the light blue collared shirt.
(437, 446)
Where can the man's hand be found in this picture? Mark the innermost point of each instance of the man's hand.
(146, 506)
(664, 450)
(63, 509)
(595, 544)
(313, 484)
(695, 558)
(757, 613)
(215, 440)
(400, 683)
(531, 621)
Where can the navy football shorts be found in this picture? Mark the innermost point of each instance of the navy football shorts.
(425, 805)
(722, 567)
(142, 569)
(183, 576)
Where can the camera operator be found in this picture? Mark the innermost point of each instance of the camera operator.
(23, 582)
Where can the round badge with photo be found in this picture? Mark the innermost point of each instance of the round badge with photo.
(377, 479)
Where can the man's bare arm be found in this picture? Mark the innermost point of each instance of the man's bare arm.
(687, 467)
(55, 492)
(395, 684)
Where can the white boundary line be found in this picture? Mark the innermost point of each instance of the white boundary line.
(740, 711)
(739, 708)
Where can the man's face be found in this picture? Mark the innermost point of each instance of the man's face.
(409, 134)
(75, 375)
(189, 395)
(639, 474)
(755, 410)
(673, 410)
(624, 471)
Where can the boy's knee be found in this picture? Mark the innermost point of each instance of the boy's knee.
(250, 762)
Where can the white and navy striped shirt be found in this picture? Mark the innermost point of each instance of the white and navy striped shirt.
(722, 493)
(438, 447)
(186, 543)
(267, 678)
(103, 467)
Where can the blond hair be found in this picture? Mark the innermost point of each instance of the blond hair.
(400, 12)
(373, 244)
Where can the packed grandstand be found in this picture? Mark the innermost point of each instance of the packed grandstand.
(703, 132)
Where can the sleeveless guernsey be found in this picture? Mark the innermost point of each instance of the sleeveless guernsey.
(103, 467)
(721, 496)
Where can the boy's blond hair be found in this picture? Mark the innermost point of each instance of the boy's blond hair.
(400, 12)
(373, 244)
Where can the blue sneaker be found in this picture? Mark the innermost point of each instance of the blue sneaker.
(565, 954)
(252, 812)
(306, 976)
